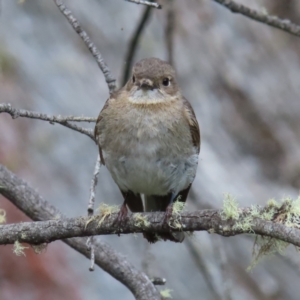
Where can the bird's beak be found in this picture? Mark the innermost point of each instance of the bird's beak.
(146, 84)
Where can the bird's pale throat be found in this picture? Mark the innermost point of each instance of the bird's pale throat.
(146, 96)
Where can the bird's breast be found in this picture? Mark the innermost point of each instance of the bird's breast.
(149, 152)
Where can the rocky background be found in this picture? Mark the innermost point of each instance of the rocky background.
(242, 78)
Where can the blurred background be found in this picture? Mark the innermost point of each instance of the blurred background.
(241, 77)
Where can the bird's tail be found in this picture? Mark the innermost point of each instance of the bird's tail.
(160, 203)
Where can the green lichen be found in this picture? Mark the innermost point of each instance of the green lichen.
(273, 203)
(2, 216)
(178, 207)
(106, 211)
(292, 210)
(90, 220)
(18, 249)
(268, 214)
(255, 211)
(40, 248)
(266, 247)
(23, 235)
(287, 213)
(230, 208)
(140, 221)
(175, 220)
(166, 294)
(245, 224)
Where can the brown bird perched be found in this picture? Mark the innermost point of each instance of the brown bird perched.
(149, 140)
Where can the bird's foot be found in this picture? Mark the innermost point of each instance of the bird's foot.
(168, 214)
(121, 217)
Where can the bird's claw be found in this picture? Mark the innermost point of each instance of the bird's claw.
(168, 214)
(121, 217)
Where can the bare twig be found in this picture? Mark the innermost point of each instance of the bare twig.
(91, 209)
(32, 204)
(15, 113)
(158, 281)
(91, 247)
(263, 17)
(169, 31)
(134, 43)
(144, 2)
(110, 80)
(93, 187)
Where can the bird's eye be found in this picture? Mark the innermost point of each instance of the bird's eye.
(133, 79)
(166, 82)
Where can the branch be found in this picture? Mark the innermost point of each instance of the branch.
(282, 24)
(134, 43)
(31, 203)
(91, 206)
(110, 80)
(203, 220)
(144, 2)
(169, 31)
(15, 113)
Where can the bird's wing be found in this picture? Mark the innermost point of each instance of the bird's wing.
(133, 201)
(193, 123)
(97, 130)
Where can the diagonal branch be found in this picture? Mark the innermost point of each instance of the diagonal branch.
(15, 113)
(263, 17)
(134, 41)
(170, 30)
(31, 203)
(110, 80)
(148, 3)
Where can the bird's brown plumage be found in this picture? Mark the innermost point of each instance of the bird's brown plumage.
(150, 129)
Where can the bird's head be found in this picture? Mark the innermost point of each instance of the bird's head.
(152, 81)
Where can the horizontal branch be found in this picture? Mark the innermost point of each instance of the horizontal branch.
(202, 220)
(63, 120)
(263, 17)
(148, 3)
(35, 207)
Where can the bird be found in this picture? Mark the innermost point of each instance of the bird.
(149, 140)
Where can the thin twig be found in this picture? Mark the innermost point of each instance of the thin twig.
(91, 247)
(93, 187)
(169, 31)
(158, 281)
(134, 41)
(110, 80)
(15, 113)
(91, 208)
(263, 17)
(35, 207)
(144, 2)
